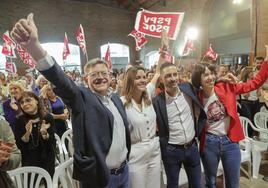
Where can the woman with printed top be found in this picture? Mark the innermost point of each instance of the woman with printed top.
(55, 106)
(144, 160)
(223, 130)
(34, 133)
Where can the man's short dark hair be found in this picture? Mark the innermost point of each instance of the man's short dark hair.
(259, 58)
(165, 65)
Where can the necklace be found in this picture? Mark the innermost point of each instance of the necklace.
(35, 142)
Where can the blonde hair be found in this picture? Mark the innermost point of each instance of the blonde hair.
(39, 78)
(43, 91)
(21, 84)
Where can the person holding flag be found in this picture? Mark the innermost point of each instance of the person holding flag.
(100, 132)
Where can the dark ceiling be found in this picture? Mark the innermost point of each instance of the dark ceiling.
(129, 5)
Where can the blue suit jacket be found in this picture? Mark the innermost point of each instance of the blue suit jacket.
(92, 126)
(159, 103)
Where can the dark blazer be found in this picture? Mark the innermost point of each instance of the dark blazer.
(92, 126)
(159, 103)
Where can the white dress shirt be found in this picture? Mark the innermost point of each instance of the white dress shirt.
(180, 119)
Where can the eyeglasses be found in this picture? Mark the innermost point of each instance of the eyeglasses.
(27, 100)
(98, 74)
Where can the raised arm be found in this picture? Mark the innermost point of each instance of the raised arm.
(255, 83)
(25, 33)
(162, 59)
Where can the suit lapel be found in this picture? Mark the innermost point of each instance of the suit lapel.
(186, 89)
(163, 107)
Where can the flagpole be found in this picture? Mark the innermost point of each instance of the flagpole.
(86, 56)
(180, 60)
(202, 59)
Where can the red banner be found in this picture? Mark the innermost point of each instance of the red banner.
(139, 39)
(66, 49)
(10, 67)
(189, 46)
(26, 57)
(8, 46)
(152, 23)
(80, 37)
(107, 58)
(211, 53)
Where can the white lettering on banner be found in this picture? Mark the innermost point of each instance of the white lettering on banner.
(146, 19)
(159, 20)
(155, 28)
(168, 20)
(153, 23)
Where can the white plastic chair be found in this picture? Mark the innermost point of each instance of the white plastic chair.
(257, 146)
(60, 156)
(67, 144)
(246, 155)
(260, 121)
(245, 148)
(63, 175)
(30, 177)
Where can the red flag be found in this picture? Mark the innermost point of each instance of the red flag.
(10, 67)
(80, 37)
(26, 57)
(169, 58)
(8, 46)
(210, 53)
(139, 39)
(66, 49)
(107, 58)
(189, 46)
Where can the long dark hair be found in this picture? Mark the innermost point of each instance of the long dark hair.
(197, 72)
(40, 106)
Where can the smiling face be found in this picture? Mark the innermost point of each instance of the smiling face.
(50, 93)
(208, 79)
(170, 77)
(140, 81)
(29, 105)
(98, 79)
(15, 91)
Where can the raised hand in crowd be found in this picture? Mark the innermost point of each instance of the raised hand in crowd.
(44, 128)
(13, 104)
(25, 33)
(229, 77)
(28, 127)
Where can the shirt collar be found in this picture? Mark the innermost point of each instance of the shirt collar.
(170, 99)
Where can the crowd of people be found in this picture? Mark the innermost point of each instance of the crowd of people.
(125, 123)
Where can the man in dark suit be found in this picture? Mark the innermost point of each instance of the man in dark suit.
(180, 120)
(100, 129)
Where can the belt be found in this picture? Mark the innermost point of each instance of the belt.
(120, 169)
(184, 146)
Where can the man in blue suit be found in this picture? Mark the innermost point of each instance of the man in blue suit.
(180, 120)
(100, 129)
